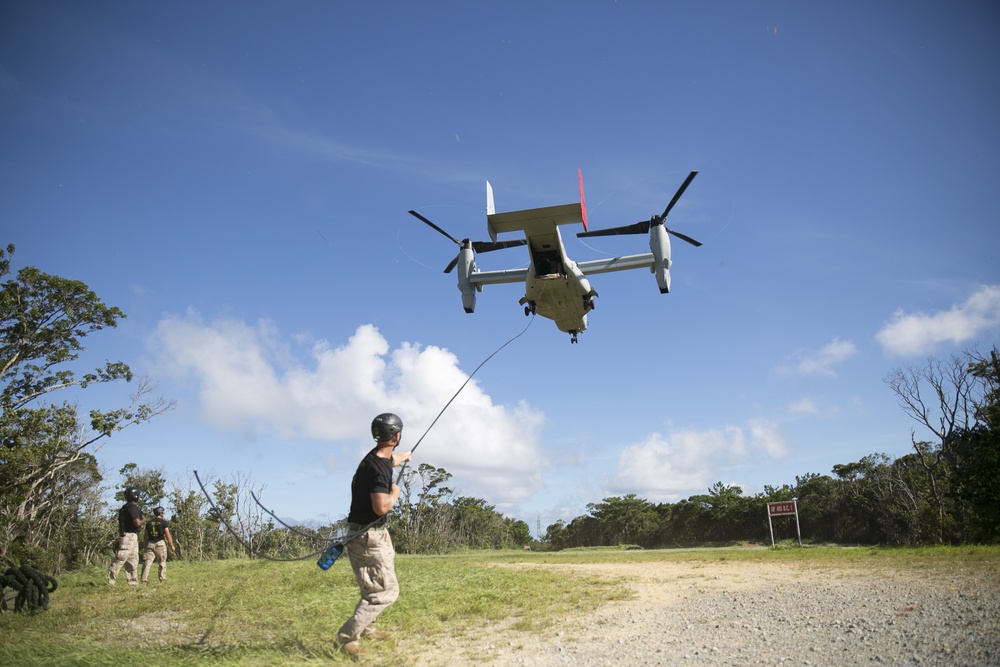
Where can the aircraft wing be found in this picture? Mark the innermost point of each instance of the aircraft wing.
(623, 263)
(498, 277)
(532, 219)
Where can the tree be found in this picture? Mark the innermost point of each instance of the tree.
(90, 535)
(240, 521)
(583, 531)
(150, 482)
(427, 519)
(555, 535)
(44, 445)
(941, 396)
(977, 469)
(817, 506)
(957, 401)
(685, 523)
(732, 514)
(517, 532)
(625, 520)
(986, 369)
(975, 454)
(188, 525)
(421, 521)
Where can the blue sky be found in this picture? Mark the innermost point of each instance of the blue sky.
(236, 177)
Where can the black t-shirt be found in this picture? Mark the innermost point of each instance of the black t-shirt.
(374, 475)
(155, 528)
(126, 518)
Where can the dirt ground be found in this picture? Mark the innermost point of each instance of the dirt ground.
(727, 613)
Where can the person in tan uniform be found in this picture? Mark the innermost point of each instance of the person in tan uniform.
(129, 522)
(371, 552)
(157, 538)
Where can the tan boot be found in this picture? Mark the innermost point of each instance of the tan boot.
(352, 649)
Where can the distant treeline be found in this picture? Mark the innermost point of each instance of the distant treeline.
(946, 491)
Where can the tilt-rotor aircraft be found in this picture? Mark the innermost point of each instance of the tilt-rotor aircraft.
(555, 286)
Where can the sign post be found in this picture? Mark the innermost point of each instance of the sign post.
(784, 508)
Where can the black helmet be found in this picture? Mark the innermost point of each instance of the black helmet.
(132, 493)
(385, 426)
(157, 511)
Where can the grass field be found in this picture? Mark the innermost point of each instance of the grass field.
(250, 613)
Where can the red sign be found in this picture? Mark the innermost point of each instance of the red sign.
(780, 509)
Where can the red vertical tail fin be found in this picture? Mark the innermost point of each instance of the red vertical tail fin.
(583, 203)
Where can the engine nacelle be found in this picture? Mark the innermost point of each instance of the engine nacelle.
(466, 267)
(659, 245)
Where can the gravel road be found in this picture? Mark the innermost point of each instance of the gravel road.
(731, 613)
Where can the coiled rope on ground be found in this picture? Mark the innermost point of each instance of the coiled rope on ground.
(32, 589)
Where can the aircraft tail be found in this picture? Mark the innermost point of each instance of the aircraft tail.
(583, 203)
(490, 210)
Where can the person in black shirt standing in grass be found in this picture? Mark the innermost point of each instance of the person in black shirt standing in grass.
(129, 522)
(371, 553)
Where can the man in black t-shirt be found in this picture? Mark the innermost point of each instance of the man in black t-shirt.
(371, 553)
(129, 522)
(157, 532)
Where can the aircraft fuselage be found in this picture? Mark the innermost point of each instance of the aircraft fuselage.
(555, 288)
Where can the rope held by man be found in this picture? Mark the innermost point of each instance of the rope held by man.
(330, 553)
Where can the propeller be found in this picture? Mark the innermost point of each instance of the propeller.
(644, 226)
(478, 246)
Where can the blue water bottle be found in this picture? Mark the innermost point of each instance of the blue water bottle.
(330, 556)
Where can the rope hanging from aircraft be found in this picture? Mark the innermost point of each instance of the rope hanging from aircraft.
(467, 380)
(334, 547)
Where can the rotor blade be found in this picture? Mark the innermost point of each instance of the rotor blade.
(680, 191)
(683, 237)
(488, 246)
(637, 228)
(452, 264)
(433, 226)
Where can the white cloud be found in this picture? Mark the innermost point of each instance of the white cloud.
(764, 435)
(804, 406)
(667, 468)
(250, 381)
(823, 361)
(809, 406)
(911, 335)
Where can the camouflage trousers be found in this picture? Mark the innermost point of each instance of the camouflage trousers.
(373, 561)
(127, 557)
(154, 551)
